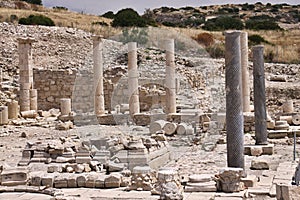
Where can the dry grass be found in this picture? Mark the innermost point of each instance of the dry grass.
(65, 18)
(285, 48)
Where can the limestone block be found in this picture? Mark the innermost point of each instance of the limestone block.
(249, 181)
(256, 151)
(36, 178)
(113, 180)
(201, 187)
(71, 181)
(200, 178)
(60, 182)
(48, 180)
(258, 164)
(14, 176)
(81, 181)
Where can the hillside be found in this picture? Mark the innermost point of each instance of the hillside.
(11, 11)
(288, 16)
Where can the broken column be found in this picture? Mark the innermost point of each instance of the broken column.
(234, 107)
(98, 75)
(288, 107)
(65, 106)
(24, 100)
(170, 76)
(261, 134)
(26, 74)
(3, 115)
(13, 110)
(134, 102)
(33, 99)
(245, 72)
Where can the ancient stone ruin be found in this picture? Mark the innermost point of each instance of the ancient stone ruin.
(138, 128)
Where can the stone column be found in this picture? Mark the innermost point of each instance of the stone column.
(33, 99)
(13, 110)
(234, 107)
(65, 106)
(24, 100)
(170, 76)
(134, 102)
(25, 73)
(245, 72)
(4, 115)
(98, 75)
(259, 95)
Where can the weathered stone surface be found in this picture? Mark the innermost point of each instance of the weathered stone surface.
(113, 180)
(229, 180)
(14, 176)
(258, 164)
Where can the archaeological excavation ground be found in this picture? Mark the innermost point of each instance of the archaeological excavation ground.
(83, 117)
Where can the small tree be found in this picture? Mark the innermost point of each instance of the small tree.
(128, 18)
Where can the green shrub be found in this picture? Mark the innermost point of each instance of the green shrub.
(37, 20)
(262, 25)
(128, 18)
(223, 23)
(109, 15)
(256, 39)
(37, 2)
(138, 35)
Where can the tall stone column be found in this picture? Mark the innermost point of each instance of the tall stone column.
(170, 76)
(259, 95)
(234, 107)
(98, 75)
(134, 102)
(25, 73)
(245, 72)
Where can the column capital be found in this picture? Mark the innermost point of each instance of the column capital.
(26, 40)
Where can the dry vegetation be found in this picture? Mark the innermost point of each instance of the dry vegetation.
(284, 46)
(64, 18)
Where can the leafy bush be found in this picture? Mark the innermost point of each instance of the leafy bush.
(223, 23)
(262, 25)
(37, 2)
(37, 20)
(109, 15)
(256, 39)
(128, 18)
(206, 39)
(137, 35)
